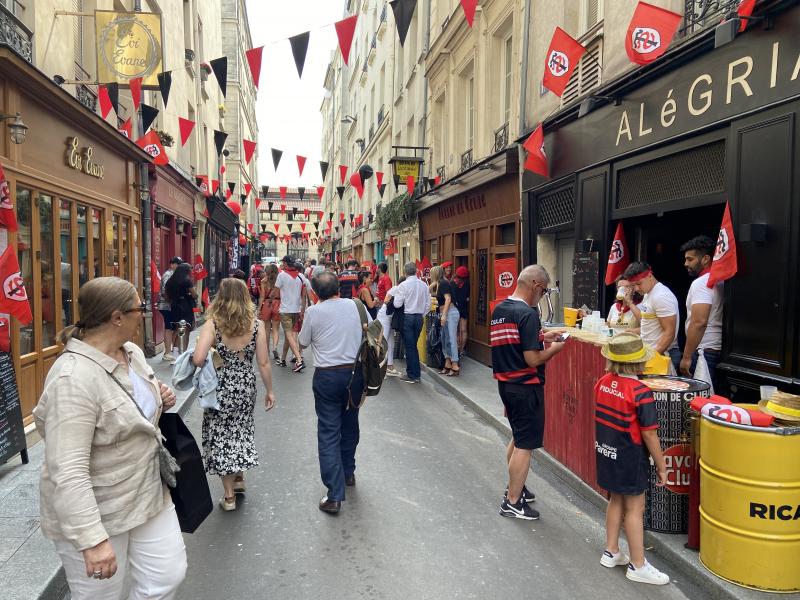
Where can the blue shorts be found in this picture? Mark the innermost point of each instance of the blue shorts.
(167, 314)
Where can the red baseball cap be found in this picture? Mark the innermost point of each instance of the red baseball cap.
(462, 272)
(449, 263)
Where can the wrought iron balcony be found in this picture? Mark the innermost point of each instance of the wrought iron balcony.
(501, 138)
(371, 132)
(441, 172)
(381, 115)
(373, 49)
(466, 160)
(86, 96)
(15, 34)
(701, 14)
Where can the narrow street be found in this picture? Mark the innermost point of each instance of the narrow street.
(421, 522)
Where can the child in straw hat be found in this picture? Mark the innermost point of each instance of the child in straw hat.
(626, 426)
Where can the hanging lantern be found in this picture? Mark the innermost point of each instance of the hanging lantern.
(235, 207)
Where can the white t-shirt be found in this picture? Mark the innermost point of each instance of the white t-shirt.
(143, 395)
(333, 330)
(620, 321)
(658, 302)
(700, 293)
(291, 288)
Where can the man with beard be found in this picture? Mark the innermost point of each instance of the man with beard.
(703, 308)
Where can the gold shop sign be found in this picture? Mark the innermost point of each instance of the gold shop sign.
(81, 159)
(128, 46)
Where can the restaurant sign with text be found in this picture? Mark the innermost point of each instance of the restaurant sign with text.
(128, 46)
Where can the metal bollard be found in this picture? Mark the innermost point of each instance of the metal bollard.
(183, 330)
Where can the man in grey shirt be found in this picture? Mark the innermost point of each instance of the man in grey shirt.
(333, 330)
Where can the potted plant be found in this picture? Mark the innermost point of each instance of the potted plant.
(165, 138)
(205, 71)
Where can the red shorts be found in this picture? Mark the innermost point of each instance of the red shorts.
(269, 311)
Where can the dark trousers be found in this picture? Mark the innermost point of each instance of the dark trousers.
(337, 426)
(412, 327)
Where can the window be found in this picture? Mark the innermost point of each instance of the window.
(27, 333)
(470, 125)
(587, 75)
(77, 30)
(591, 14)
(67, 260)
(507, 79)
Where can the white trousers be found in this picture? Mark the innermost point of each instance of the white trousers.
(152, 555)
(386, 321)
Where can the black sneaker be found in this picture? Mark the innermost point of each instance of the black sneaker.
(275, 355)
(280, 362)
(527, 495)
(520, 510)
(294, 360)
(299, 367)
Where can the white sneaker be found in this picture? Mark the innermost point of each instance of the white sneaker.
(614, 560)
(647, 573)
(168, 358)
(392, 372)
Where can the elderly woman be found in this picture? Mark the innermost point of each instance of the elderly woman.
(103, 500)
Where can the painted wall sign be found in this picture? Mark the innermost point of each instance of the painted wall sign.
(128, 46)
(462, 206)
(82, 159)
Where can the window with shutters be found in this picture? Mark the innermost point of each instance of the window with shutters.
(587, 75)
(591, 14)
(77, 32)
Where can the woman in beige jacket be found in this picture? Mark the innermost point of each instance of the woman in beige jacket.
(102, 498)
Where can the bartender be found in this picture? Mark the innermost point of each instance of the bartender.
(624, 314)
(659, 311)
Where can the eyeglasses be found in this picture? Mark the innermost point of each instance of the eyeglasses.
(140, 309)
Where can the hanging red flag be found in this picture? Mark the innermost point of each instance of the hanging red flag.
(618, 257)
(186, 126)
(562, 58)
(199, 271)
(505, 277)
(410, 184)
(320, 214)
(204, 298)
(151, 143)
(650, 32)
(249, 148)
(247, 188)
(724, 265)
(343, 172)
(105, 101)
(276, 226)
(8, 217)
(254, 62)
(303, 226)
(537, 159)
(320, 192)
(282, 191)
(127, 129)
(469, 7)
(744, 10)
(155, 279)
(379, 178)
(136, 91)
(14, 299)
(344, 31)
(301, 164)
(258, 203)
(214, 186)
(250, 227)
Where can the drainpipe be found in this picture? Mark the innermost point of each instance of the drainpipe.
(425, 107)
(147, 224)
(526, 35)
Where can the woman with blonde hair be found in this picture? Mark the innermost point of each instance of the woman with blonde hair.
(229, 446)
(269, 303)
(102, 493)
(448, 317)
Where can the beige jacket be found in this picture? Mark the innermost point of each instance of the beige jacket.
(100, 475)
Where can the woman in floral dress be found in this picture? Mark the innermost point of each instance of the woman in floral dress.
(229, 433)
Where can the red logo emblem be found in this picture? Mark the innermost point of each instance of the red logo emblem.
(14, 288)
(645, 40)
(558, 63)
(679, 468)
(505, 279)
(153, 150)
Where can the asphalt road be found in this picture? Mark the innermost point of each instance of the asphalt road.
(421, 522)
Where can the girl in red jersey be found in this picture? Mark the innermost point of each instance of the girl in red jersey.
(626, 426)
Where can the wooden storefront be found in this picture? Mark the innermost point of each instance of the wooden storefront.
(73, 183)
(473, 229)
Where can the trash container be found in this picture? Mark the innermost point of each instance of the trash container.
(667, 508)
(750, 504)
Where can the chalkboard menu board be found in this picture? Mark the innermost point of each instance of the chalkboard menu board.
(12, 431)
(585, 278)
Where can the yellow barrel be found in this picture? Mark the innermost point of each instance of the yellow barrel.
(750, 504)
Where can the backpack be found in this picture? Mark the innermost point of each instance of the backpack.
(372, 355)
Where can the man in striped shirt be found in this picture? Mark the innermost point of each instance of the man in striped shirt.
(518, 358)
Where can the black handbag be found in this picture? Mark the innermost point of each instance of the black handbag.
(397, 318)
(191, 496)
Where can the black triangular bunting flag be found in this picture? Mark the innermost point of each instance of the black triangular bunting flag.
(301, 192)
(242, 198)
(351, 217)
(149, 114)
(403, 13)
(219, 140)
(382, 189)
(270, 205)
(220, 68)
(276, 157)
(396, 183)
(294, 211)
(231, 186)
(299, 48)
(164, 84)
(113, 95)
(264, 191)
(330, 216)
(323, 167)
(340, 190)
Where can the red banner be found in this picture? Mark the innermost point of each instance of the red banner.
(199, 270)
(14, 299)
(562, 58)
(725, 264)
(618, 257)
(505, 277)
(650, 33)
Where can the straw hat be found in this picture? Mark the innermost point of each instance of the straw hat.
(627, 347)
(782, 406)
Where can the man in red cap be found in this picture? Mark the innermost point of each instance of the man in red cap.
(448, 270)
(460, 295)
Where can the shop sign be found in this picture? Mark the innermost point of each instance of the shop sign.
(679, 468)
(82, 159)
(462, 206)
(128, 46)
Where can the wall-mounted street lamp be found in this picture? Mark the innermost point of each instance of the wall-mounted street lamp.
(349, 119)
(195, 230)
(179, 224)
(161, 217)
(17, 128)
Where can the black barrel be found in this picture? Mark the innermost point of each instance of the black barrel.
(667, 508)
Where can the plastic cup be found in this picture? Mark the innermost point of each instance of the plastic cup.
(767, 391)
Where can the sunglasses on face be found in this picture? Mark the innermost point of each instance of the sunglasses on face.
(141, 309)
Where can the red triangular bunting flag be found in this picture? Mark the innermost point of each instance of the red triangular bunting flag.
(537, 159)
(105, 101)
(562, 58)
(320, 192)
(344, 31)
(258, 203)
(136, 91)
(8, 217)
(469, 7)
(214, 186)
(276, 226)
(247, 188)
(379, 178)
(254, 61)
(305, 213)
(618, 257)
(410, 182)
(186, 126)
(14, 299)
(303, 226)
(437, 180)
(249, 148)
(250, 227)
(151, 143)
(343, 172)
(127, 129)
(282, 191)
(650, 32)
(301, 164)
(745, 10)
(320, 214)
(725, 265)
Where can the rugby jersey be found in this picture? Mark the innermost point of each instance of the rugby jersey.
(624, 407)
(514, 329)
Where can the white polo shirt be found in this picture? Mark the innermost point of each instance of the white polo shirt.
(658, 302)
(700, 293)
